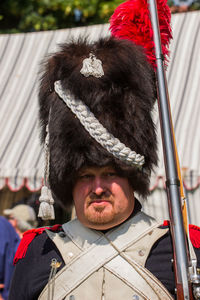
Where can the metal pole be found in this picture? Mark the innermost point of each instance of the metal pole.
(172, 183)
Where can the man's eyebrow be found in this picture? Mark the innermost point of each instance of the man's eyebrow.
(110, 168)
(83, 171)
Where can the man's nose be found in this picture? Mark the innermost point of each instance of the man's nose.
(98, 185)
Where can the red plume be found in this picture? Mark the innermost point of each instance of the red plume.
(131, 20)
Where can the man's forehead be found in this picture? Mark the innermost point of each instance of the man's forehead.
(96, 169)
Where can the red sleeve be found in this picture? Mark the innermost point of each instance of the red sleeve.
(194, 235)
(194, 232)
(28, 236)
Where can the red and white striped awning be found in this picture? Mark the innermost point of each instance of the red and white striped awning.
(21, 156)
(183, 76)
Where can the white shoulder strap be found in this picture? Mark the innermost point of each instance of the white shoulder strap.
(97, 250)
(139, 278)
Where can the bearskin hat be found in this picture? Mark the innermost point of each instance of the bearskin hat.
(121, 100)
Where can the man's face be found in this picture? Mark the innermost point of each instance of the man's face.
(102, 198)
(12, 221)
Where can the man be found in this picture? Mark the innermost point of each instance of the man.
(96, 102)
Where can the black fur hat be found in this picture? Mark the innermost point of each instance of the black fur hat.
(122, 100)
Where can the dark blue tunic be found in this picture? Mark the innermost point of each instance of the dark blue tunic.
(9, 241)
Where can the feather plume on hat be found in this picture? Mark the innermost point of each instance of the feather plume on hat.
(131, 20)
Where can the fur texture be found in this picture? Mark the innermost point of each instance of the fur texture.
(122, 100)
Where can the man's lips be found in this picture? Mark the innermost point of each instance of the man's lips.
(99, 202)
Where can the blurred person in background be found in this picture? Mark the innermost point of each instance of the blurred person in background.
(15, 222)
(9, 241)
(22, 217)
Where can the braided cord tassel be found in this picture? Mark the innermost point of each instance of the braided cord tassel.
(46, 209)
(97, 131)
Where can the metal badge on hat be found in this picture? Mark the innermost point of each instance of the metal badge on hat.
(92, 67)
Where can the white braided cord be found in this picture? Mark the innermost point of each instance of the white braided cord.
(97, 131)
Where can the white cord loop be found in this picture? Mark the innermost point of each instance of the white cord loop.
(97, 131)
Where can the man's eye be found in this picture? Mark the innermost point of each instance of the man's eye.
(111, 174)
(85, 176)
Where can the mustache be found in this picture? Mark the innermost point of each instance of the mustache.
(104, 195)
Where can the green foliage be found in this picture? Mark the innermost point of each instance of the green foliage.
(37, 15)
(195, 5)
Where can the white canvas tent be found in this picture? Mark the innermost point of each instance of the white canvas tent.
(21, 156)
